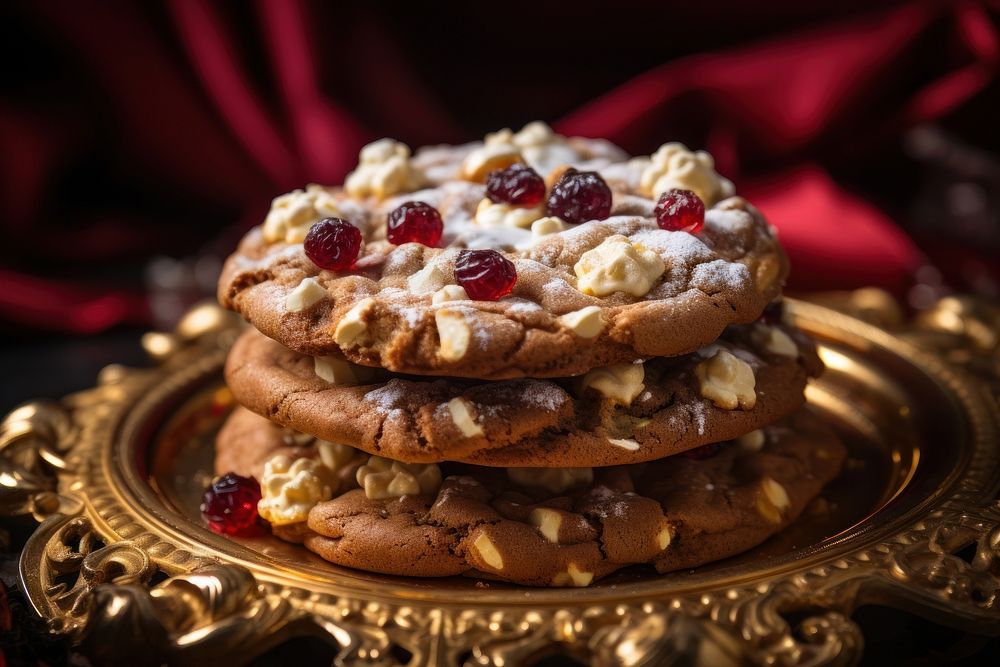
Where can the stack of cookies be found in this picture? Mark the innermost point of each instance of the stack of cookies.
(532, 359)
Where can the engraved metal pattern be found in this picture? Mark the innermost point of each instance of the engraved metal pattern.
(131, 582)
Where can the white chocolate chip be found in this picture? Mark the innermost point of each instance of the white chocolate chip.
(555, 480)
(450, 293)
(335, 456)
(586, 322)
(461, 414)
(573, 576)
(663, 538)
(618, 265)
(489, 157)
(383, 478)
(488, 552)
(751, 442)
(292, 214)
(289, 489)
(774, 340)
(454, 333)
(343, 373)
(727, 381)
(352, 325)
(427, 280)
(542, 148)
(673, 166)
(546, 226)
(306, 295)
(627, 444)
(773, 500)
(547, 521)
(383, 170)
(619, 382)
(491, 214)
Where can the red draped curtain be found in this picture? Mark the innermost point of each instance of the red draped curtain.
(130, 130)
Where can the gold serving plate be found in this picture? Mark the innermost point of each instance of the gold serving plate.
(124, 565)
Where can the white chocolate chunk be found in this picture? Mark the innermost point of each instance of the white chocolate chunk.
(774, 340)
(491, 156)
(547, 521)
(542, 148)
(383, 170)
(673, 166)
(461, 414)
(751, 442)
(663, 538)
(352, 325)
(292, 214)
(488, 552)
(555, 480)
(627, 444)
(427, 280)
(619, 382)
(773, 500)
(305, 295)
(573, 577)
(492, 214)
(335, 456)
(546, 226)
(450, 293)
(618, 265)
(454, 333)
(383, 478)
(586, 322)
(343, 373)
(289, 489)
(727, 381)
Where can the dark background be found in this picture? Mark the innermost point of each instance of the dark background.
(139, 140)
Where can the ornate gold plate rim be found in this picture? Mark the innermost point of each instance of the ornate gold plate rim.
(127, 580)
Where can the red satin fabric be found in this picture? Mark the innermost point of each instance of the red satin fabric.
(163, 126)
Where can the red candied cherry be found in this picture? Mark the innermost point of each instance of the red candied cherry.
(486, 275)
(414, 222)
(580, 196)
(705, 451)
(333, 244)
(230, 504)
(680, 211)
(518, 185)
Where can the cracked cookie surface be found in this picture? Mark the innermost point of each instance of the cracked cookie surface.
(527, 422)
(725, 274)
(674, 513)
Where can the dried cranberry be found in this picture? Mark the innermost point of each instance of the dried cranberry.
(580, 196)
(680, 211)
(705, 451)
(230, 504)
(414, 222)
(333, 244)
(486, 275)
(518, 185)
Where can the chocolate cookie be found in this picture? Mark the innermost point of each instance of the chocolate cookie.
(569, 527)
(621, 414)
(586, 295)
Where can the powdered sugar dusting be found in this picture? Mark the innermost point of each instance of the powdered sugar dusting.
(730, 221)
(675, 247)
(388, 397)
(720, 275)
(698, 413)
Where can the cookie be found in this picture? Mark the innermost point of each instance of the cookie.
(586, 295)
(622, 414)
(566, 527)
